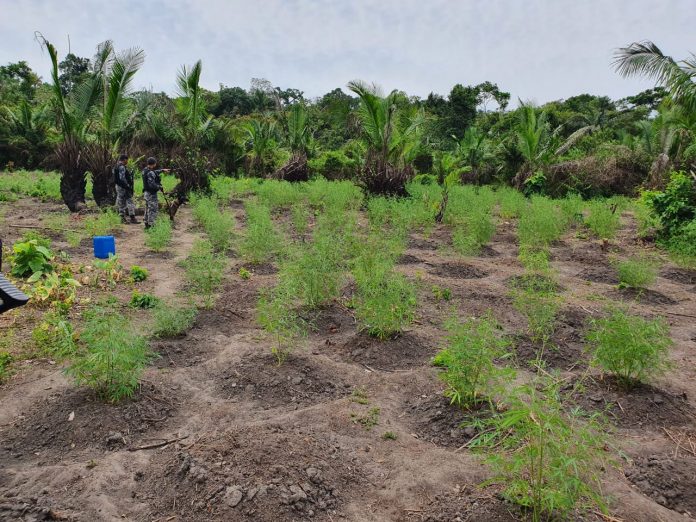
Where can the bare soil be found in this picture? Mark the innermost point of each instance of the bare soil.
(218, 431)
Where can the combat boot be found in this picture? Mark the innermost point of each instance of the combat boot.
(134, 221)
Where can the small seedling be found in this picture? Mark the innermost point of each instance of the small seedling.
(359, 396)
(244, 274)
(367, 421)
(138, 274)
(389, 435)
(442, 294)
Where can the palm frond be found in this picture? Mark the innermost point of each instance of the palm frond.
(124, 67)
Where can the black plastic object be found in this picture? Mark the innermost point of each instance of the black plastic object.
(10, 296)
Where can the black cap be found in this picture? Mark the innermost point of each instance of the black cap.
(151, 161)
(123, 157)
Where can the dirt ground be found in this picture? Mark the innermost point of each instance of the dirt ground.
(248, 440)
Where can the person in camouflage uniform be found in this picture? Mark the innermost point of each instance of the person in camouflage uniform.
(123, 179)
(152, 185)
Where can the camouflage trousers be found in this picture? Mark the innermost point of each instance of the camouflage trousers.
(151, 208)
(124, 202)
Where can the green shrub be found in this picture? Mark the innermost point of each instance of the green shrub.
(676, 205)
(55, 337)
(31, 259)
(468, 360)
(218, 225)
(604, 219)
(637, 272)
(682, 246)
(159, 236)
(535, 260)
(114, 355)
(171, 321)
(277, 315)
(441, 294)
(102, 224)
(204, 271)
(138, 274)
(385, 304)
(540, 309)
(333, 164)
(540, 223)
(476, 232)
(142, 300)
(630, 347)
(548, 462)
(261, 241)
(300, 218)
(511, 203)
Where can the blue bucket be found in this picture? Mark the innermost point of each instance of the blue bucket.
(103, 246)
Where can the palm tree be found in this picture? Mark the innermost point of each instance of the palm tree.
(298, 137)
(472, 149)
(261, 137)
(534, 140)
(391, 137)
(29, 128)
(110, 85)
(193, 130)
(646, 59)
(72, 122)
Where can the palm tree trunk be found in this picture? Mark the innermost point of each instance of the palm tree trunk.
(73, 183)
(98, 160)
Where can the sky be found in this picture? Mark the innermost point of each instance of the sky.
(538, 50)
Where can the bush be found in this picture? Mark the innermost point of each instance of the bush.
(540, 223)
(604, 219)
(637, 272)
(676, 205)
(333, 164)
(630, 347)
(102, 224)
(159, 236)
(171, 321)
(261, 241)
(114, 357)
(142, 300)
(540, 308)
(31, 259)
(468, 360)
(469, 238)
(682, 246)
(549, 462)
(204, 271)
(138, 274)
(385, 304)
(277, 315)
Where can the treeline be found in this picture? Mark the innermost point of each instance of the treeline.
(87, 112)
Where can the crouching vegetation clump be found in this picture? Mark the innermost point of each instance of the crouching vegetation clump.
(112, 356)
(629, 347)
(159, 236)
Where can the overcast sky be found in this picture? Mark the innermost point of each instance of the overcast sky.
(539, 50)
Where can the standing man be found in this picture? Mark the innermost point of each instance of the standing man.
(123, 178)
(152, 184)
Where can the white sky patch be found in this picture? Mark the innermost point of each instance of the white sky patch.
(538, 50)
